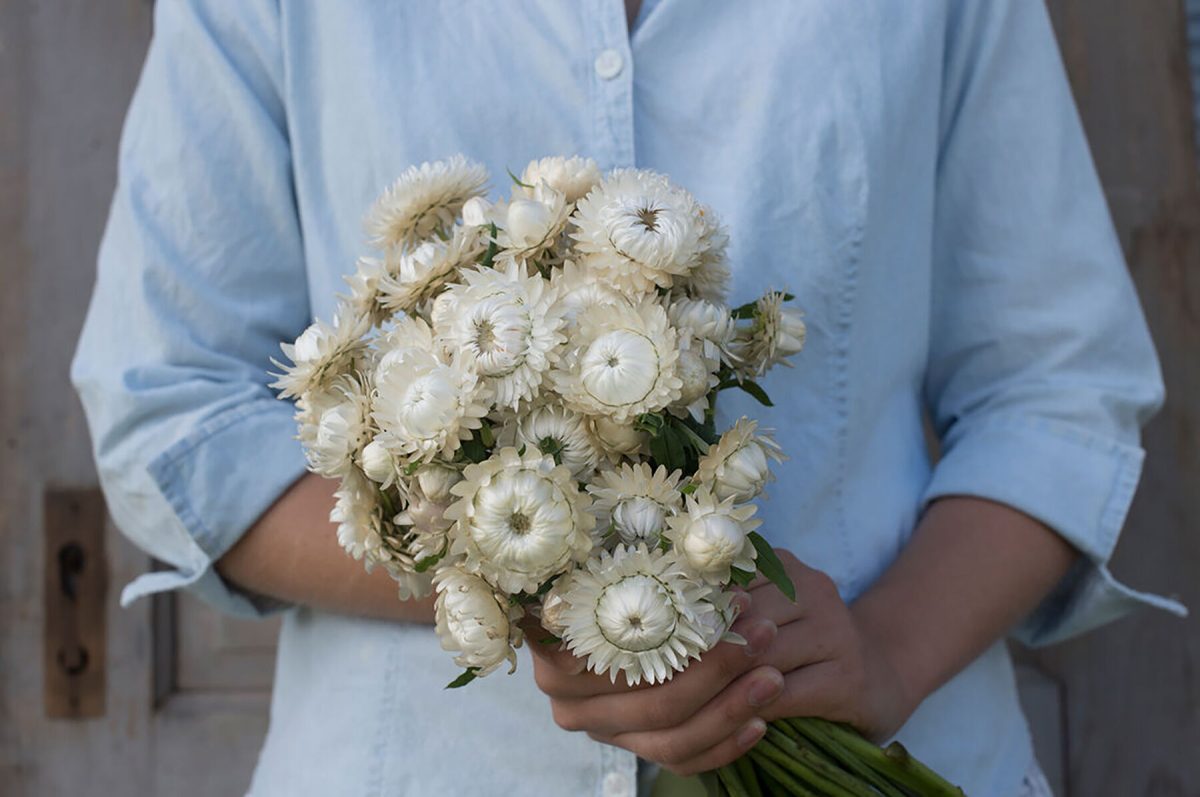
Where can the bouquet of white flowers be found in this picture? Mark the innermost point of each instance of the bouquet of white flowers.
(519, 400)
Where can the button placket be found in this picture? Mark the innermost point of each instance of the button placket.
(612, 81)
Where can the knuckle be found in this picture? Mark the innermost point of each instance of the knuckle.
(668, 751)
(822, 585)
(660, 713)
(564, 716)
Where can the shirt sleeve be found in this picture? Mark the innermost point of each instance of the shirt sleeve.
(1041, 370)
(200, 276)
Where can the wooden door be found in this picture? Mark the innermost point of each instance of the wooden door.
(1130, 693)
(185, 690)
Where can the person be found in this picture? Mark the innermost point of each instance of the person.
(915, 174)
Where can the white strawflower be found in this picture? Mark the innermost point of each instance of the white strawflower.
(698, 376)
(577, 290)
(442, 309)
(531, 224)
(520, 520)
(378, 463)
(617, 439)
(505, 322)
(738, 466)
(713, 536)
(435, 480)
(364, 299)
(638, 231)
(419, 274)
(321, 354)
(621, 362)
(775, 335)
(425, 406)
(638, 612)
(475, 622)
(555, 430)
(357, 513)
(424, 201)
(553, 610)
(717, 622)
(574, 176)
(708, 273)
(635, 502)
(341, 431)
(708, 322)
(426, 520)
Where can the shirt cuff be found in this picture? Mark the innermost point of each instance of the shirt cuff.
(1077, 483)
(219, 480)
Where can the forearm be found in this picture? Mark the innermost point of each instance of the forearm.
(971, 571)
(292, 554)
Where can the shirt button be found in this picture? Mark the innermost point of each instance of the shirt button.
(617, 785)
(608, 64)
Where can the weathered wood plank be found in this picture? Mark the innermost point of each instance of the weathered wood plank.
(1133, 695)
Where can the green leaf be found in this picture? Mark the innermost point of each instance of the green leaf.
(741, 577)
(753, 388)
(649, 422)
(489, 256)
(412, 468)
(689, 488)
(745, 311)
(486, 436)
(474, 450)
(770, 566)
(658, 450)
(697, 442)
(516, 179)
(549, 640)
(429, 561)
(678, 457)
(468, 675)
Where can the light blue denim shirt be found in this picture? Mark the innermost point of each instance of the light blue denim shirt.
(914, 172)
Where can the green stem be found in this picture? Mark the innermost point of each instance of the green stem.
(745, 769)
(820, 765)
(800, 770)
(897, 752)
(900, 768)
(781, 776)
(731, 782)
(840, 754)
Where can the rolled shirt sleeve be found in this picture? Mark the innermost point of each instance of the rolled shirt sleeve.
(1041, 370)
(200, 276)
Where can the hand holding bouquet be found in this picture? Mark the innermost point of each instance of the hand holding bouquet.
(519, 400)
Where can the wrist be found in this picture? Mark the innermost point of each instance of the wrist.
(899, 670)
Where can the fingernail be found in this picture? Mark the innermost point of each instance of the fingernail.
(766, 688)
(759, 637)
(751, 732)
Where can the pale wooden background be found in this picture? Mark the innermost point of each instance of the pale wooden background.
(1116, 713)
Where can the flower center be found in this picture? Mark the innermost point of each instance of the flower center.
(648, 218)
(485, 335)
(636, 614)
(519, 523)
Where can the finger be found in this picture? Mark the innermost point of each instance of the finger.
(669, 704)
(818, 690)
(804, 643)
(721, 718)
(724, 752)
